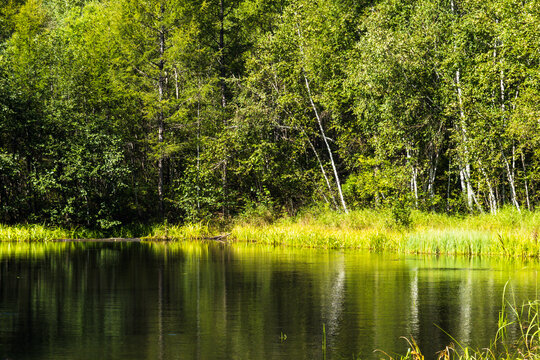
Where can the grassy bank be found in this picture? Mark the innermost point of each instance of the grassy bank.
(37, 232)
(508, 233)
(40, 232)
(189, 231)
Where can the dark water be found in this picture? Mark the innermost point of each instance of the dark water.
(209, 301)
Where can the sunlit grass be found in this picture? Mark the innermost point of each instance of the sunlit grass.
(319, 236)
(38, 232)
(187, 231)
(508, 233)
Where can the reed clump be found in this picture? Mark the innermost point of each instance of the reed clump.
(189, 231)
(42, 233)
(37, 233)
(319, 236)
(508, 233)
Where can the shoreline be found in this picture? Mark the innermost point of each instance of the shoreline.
(507, 234)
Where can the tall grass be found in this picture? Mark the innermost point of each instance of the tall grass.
(508, 233)
(38, 232)
(41, 233)
(319, 236)
(189, 231)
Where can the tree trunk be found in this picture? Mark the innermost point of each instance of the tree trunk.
(511, 179)
(432, 174)
(461, 128)
(465, 166)
(414, 174)
(161, 116)
(321, 128)
(332, 162)
(491, 195)
(448, 186)
(526, 185)
(323, 171)
(221, 45)
(176, 83)
(222, 52)
(509, 171)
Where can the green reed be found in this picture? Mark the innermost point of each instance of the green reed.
(189, 231)
(508, 233)
(523, 320)
(37, 233)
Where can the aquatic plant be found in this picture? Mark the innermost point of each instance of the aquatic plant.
(524, 320)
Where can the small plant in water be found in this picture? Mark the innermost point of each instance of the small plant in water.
(521, 321)
(282, 336)
(413, 352)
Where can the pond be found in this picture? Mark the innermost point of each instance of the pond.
(191, 300)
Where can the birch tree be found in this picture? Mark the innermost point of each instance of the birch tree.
(395, 86)
(304, 38)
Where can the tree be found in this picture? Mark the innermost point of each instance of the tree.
(146, 34)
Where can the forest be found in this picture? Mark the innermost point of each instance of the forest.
(125, 111)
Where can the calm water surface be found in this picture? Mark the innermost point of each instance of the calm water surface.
(210, 301)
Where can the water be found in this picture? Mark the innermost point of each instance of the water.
(210, 301)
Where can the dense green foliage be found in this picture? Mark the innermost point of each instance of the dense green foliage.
(121, 111)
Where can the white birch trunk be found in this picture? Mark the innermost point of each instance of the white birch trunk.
(432, 174)
(176, 83)
(526, 185)
(161, 116)
(509, 170)
(511, 182)
(491, 195)
(332, 162)
(198, 151)
(323, 171)
(465, 167)
(321, 128)
(414, 173)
